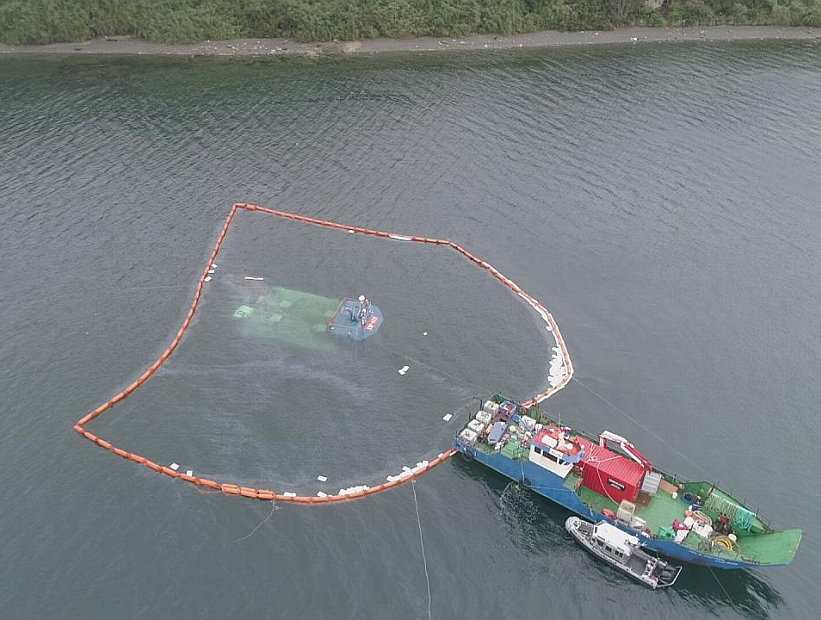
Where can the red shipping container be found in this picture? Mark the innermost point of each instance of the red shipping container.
(609, 473)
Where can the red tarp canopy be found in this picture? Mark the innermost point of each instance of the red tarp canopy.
(609, 473)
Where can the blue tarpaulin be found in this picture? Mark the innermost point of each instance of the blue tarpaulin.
(496, 433)
(355, 319)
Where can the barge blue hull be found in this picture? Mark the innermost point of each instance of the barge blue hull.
(551, 486)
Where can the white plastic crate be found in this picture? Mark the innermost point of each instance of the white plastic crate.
(468, 436)
(484, 417)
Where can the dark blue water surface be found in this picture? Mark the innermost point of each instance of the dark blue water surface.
(661, 201)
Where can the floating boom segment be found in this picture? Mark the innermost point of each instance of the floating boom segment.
(345, 494)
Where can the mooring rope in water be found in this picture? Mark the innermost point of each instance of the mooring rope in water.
(720, 585)
(642, 426)
(485, 389)
(422, 544)
(273, 508)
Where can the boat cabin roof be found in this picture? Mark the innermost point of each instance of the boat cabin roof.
(614, 536)
(552, 437)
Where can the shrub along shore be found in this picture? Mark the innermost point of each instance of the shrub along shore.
(34, 22)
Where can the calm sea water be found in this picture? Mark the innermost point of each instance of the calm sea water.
(661, 201)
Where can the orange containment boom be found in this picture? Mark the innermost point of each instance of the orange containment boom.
(268, 495)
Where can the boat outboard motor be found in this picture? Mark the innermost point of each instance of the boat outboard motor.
(667, 574)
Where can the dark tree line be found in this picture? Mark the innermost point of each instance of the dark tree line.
(188, 21)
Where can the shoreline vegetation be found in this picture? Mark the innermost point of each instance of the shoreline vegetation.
(352, 24)
(129, 45)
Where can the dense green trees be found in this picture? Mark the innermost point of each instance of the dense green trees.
(187, 21)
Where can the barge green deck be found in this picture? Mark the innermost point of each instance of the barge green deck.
(755, 541)
(662, 509)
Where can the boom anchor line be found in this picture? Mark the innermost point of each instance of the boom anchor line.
(268, 495)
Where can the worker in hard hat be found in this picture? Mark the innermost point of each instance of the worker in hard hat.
(364, 309)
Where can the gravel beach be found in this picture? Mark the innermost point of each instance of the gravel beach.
(282, 47)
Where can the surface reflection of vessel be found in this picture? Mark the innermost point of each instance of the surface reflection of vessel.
(691, 521)
(622, 550)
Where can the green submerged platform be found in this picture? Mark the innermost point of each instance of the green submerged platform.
(290, 316)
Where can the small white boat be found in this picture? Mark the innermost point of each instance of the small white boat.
(623, 551)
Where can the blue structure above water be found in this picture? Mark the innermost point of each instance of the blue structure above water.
(356, 319)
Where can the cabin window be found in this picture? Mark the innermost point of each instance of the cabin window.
(544, 452)
(547, 455)
(608, 548)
